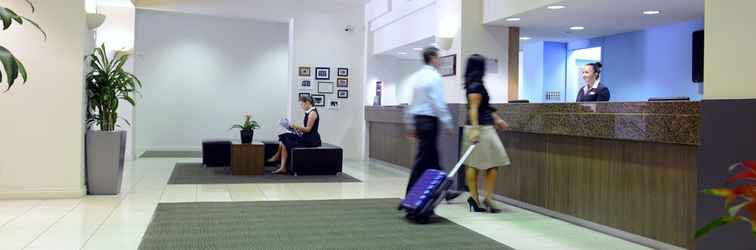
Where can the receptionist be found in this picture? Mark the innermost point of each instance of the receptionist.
(593, 90)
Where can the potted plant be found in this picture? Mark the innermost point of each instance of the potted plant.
(247, 129)
(12, 66)
(107, 84)
(739, 198)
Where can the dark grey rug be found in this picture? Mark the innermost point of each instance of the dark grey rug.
(195, 173)
(333, 224)
(171, 154)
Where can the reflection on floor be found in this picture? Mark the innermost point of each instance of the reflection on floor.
(120, 222)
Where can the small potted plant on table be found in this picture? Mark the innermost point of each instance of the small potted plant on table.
(247, 129)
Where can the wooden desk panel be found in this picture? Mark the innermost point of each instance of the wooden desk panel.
(644, 188)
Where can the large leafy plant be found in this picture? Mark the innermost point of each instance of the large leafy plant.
(741, 197)
(107, 84)
(12, 66)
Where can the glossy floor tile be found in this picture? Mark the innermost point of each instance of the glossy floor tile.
(119, 222)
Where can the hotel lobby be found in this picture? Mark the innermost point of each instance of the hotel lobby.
(288, 124)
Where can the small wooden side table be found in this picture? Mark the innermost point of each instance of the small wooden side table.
(248, 159)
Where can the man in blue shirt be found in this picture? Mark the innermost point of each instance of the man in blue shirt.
(426, 110)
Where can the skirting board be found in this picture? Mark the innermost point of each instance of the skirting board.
(43, 193)
(391, 166)
(655, 244)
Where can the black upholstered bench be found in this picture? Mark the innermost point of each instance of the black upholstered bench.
(216, 153)
(324, 160)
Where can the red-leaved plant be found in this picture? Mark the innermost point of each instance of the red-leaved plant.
(736, 199)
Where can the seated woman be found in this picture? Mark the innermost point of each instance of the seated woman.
(309, 138)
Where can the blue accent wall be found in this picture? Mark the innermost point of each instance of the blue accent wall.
(655, 62)
(532, 79)
(554, 68)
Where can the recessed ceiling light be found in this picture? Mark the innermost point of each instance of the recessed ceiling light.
(525, 38)
(556, 7)
(577, 28)
(402, 53)
(513, 19)
(418, 49)
(652, 12)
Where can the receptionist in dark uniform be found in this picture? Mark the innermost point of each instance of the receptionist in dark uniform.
(593, 90)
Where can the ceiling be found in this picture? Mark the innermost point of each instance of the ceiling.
(601, 18)
(410, 51)
(271, 10)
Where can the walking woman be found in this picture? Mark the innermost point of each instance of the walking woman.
(481, 127)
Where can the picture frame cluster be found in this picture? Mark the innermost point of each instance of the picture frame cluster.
(325, 90)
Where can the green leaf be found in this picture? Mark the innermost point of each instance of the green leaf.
(22, 70)
(7, 17)
(10, 63)
(719, 222)
(733, 211)
(31, 5)
(35, 24)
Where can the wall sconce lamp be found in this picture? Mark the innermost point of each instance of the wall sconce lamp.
(94, 20)
(444, 43)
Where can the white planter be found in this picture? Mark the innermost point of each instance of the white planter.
(105, 153)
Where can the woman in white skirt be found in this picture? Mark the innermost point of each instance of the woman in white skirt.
(482, 122)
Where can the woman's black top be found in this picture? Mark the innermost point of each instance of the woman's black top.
(485, 111)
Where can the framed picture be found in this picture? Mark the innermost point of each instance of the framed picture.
(303, 94)
(319, 100)
(304, 71)
(342, 72)
(325, 87)
(334, 105)
(342, 82)
(306, 84)
(342, 94)
(322, 73)
(448, 65)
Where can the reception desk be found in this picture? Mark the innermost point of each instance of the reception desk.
(625, 167)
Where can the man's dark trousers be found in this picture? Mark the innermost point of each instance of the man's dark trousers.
(426, 132)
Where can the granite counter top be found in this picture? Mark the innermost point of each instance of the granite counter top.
(663, 122)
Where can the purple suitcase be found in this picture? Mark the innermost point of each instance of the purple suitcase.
(430, 190)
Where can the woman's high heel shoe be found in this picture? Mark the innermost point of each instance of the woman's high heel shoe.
(490, 207)
(474, 207)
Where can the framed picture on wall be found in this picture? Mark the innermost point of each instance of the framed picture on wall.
(319, 100)
(325, 87)
(304, 71)
(342, 82)
(342, 72)
(448, 65)
(305, 84)
(334, 105)
(342, 94)
(322, 73)
(303, 94)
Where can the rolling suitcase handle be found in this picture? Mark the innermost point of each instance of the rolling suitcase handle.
(462, 160)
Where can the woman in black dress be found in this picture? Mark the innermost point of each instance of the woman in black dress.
(309, 135)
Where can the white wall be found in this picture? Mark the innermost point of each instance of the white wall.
(320, 41)
(42, 121)
(494, 10)
(420, 25)
(394, 73)
(201, 74)
(117, 33)
(729, 50)
(491, 42)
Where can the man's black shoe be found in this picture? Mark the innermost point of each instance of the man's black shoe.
(450, 195)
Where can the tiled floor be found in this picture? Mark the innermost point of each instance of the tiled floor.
(119, 222)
